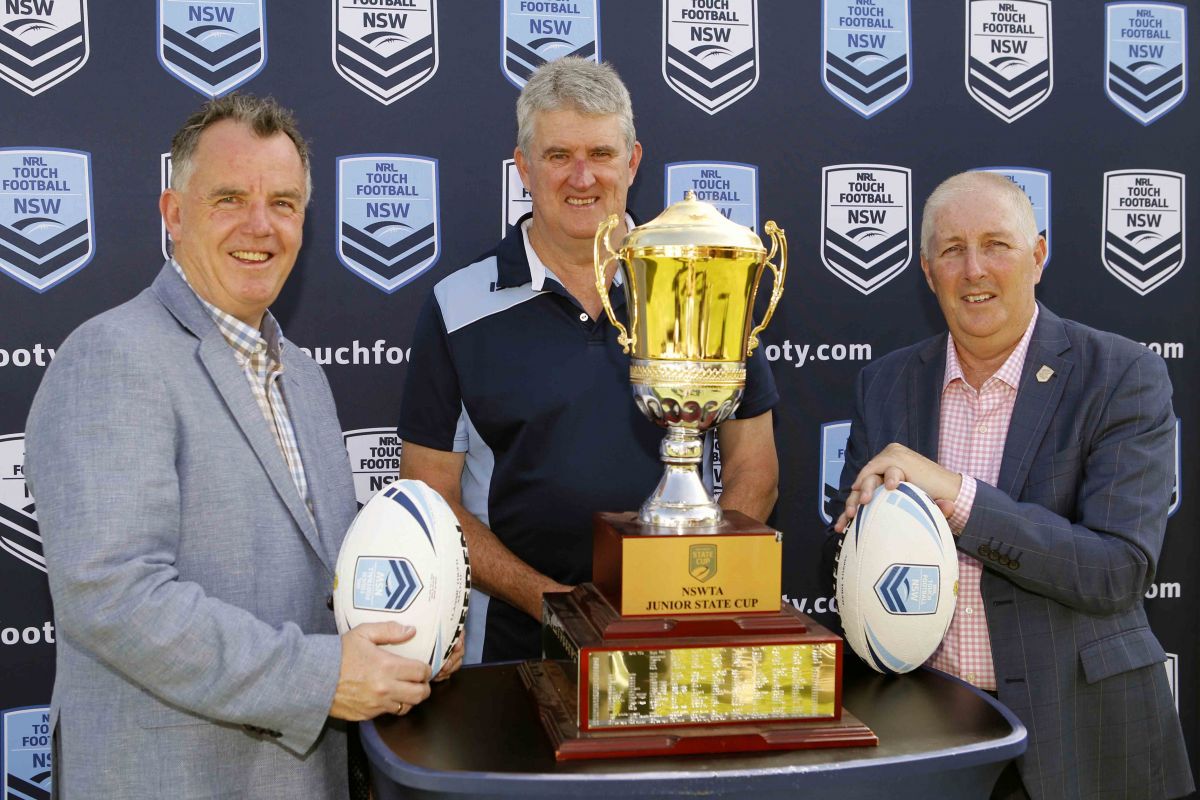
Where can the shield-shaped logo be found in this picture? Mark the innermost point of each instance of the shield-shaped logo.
(385, 584)
(27, 753)
(517, 200)
(374, 459)
(388, 231)
(1010, 55)
(385, 52)
(46, 233)
(730, 186)
(534, 33)
(19, 534)
(1036, 185)
(909, 589)
(866, 53)
(212, 48)
(1145, 48)
(1143, 241)
(164, 172)
(702, 561)
(834, 436)
(42, 42)
(866, 223)
(1176, 493)
(710, 54)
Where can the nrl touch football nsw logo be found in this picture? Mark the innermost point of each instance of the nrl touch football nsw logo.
(19, 534)
(42, 42)
(374, 459)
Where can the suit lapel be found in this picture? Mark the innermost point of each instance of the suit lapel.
(1036, 399)
(925, 397)
(230, 382)
(305, 416)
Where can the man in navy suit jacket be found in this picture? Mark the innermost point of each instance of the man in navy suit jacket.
(1049, 447)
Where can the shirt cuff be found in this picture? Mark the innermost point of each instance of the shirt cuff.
(962, 505)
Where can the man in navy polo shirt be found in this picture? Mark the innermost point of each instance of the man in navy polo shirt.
(517, 407)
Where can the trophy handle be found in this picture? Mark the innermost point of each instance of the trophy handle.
(778, 244)
(600, 260)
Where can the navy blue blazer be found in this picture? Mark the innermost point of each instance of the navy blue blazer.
(1069, 540)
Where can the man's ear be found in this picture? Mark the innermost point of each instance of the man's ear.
(169, 207)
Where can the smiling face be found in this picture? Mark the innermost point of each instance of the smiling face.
(982, 267)
(578, 171)
(237, 224)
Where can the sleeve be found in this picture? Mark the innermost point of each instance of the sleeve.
(432, 406)
(856, 456)
(102, 444)
(760, 395)
(1093, 545)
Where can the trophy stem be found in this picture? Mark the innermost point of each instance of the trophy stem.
(680, 500)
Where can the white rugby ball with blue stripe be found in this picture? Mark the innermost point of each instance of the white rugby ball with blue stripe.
(897, 579)
(405, 560)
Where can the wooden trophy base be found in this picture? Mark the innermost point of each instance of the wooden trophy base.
(554, 694)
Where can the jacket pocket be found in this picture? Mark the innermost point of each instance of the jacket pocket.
(1119, 653)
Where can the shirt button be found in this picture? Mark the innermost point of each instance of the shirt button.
(583, 317)
(983, 428)
(970, 677)
(968, 610)
(260, 347)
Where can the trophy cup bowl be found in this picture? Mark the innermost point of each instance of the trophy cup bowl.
(691, 278)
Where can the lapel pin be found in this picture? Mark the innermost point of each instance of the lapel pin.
(1044, 374)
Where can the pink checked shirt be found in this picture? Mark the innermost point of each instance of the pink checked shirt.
(973, 427)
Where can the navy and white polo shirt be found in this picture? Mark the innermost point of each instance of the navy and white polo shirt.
(508, 368)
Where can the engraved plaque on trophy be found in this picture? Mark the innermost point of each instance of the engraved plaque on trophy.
(680, 644)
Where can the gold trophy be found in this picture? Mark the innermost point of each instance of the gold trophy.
(680, 643)
(691, 279)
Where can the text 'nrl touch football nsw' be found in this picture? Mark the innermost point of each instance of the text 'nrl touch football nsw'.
(681, 643)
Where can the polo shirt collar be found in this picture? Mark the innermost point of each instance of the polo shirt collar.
(517, 264)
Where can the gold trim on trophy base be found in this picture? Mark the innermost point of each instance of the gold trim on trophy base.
(731, 568)
(553, 693)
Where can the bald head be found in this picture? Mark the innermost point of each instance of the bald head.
(976, 184)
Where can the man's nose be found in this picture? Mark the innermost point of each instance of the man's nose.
(976, 264)
(257, 220)
(581, 173)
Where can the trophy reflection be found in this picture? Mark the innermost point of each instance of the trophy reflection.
(691, 280)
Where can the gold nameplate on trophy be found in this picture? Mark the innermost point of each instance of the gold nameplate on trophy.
(720, 572)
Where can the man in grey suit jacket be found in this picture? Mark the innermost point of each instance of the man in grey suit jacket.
(1049, 447)
(193, 491)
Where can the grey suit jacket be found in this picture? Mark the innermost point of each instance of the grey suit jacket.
(196, 655)
(1069, 540)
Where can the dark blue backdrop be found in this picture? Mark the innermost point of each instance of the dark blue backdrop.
(779, 98)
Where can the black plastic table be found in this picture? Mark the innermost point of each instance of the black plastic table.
(478, 736)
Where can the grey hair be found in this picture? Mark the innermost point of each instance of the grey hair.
(264, 116)
(574, 84)
(965, 183)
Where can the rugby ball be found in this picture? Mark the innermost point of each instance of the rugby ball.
(405, 560)
(897, 579)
